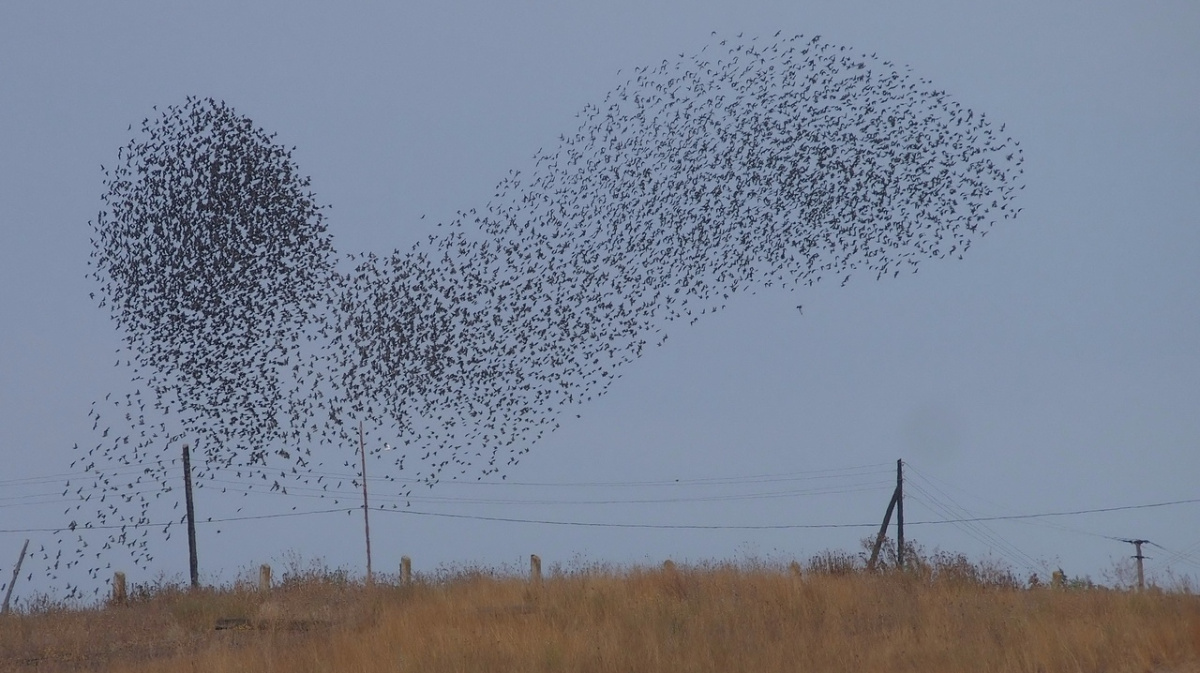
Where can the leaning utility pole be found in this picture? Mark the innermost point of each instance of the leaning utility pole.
(897, 503)
(16, 574)
(887, 518)
(193, 566)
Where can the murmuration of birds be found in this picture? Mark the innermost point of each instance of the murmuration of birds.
(751, 164)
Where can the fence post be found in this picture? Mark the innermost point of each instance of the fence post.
(119, 597)
(535, 570)
(405, 571)
(264, 578)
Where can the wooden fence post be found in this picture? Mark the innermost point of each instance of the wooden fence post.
(535, 570)
(119, 597)
(405, 571)
(264, 578)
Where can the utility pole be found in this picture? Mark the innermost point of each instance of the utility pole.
(362, 447)
(900, 513)
(1137, 545)
(887, 518)
(16, 574)
(896, 503)
(193, 566)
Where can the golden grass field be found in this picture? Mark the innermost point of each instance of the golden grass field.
(945, 615)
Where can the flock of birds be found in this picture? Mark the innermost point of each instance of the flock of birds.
(750, 164)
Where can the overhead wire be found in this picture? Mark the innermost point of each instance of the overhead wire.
(310, 491)
(1076, 512)
(807, 475)
(942, 503)
(920, 487)
(981, 534)
(598, 524)
(945, 487)
(160, 524)
(1187, 555)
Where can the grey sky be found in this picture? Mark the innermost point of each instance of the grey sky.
(1054, 368)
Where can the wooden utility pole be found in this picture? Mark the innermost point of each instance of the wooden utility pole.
(1137, 545)
(900, 513)
(897, 504)
(887, 518)
(362, 447)
(193, 566)
(16, 574)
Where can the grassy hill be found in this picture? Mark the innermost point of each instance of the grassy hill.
(946, 614)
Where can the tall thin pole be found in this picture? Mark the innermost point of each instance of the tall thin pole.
(1137, 544)
(900, 513)
(362, 447)
(193, 565)
(1141, 575)
(16, 574)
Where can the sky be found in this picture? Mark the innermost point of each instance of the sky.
(1052, 369)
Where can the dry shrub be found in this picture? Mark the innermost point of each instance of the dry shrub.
(834, 563)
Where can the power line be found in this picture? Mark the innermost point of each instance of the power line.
(599, 524)
(943, 487)
(807, 475)
(979, 531)
(126, 468)
(594, 524)
(158, 524)
(114, 490)
(1013, 517)
(948, 509)
(1185, 555)
(976, 530)
(1009, 517)
(311, 491)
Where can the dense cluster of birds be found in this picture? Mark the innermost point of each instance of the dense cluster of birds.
(783, 162)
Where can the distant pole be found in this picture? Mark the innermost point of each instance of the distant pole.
(193, 566)
(1141, 574)
(900, 514)
(362, 446)
(16, 574)
(1137, 544)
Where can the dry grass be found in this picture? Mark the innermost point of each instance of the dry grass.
(753, 617)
